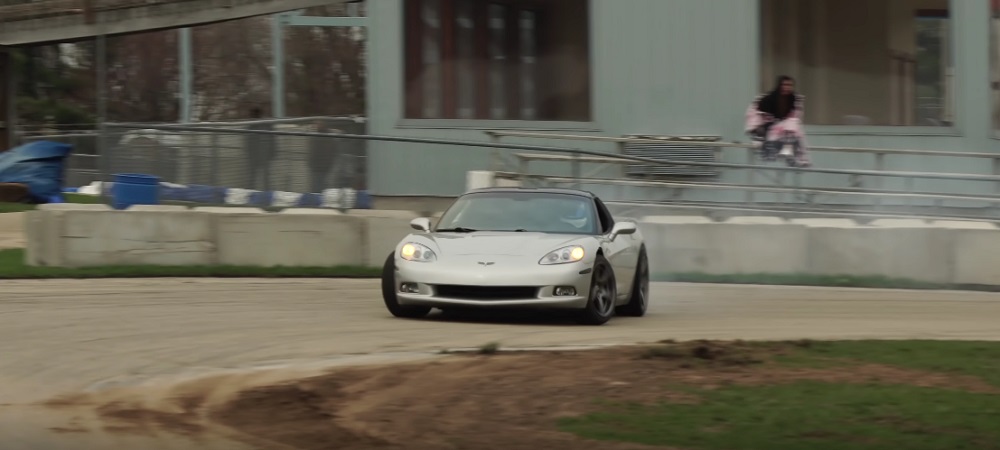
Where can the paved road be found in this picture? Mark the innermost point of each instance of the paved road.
(64, 336)
(11, 230)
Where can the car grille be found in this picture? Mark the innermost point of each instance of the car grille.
(486, 292)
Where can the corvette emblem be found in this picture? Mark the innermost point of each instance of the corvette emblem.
(486, 263)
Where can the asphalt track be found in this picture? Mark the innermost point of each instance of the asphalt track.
(66, 336)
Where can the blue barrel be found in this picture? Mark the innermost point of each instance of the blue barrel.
(135, 189)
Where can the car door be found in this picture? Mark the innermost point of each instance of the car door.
(619, 252)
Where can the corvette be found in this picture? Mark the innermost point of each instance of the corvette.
(521, 248)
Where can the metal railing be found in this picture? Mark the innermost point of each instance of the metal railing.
(226, 159)
(805, 196)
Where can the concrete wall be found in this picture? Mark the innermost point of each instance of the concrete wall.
(76, 235)
(91, 235)
(936, 251)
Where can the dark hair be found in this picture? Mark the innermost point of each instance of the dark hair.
(781, 80)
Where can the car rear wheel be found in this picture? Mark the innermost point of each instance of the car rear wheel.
(601, 304)
(389, 293)
(639, 300)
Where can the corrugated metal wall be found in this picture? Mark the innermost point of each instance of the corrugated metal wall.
(686, 67)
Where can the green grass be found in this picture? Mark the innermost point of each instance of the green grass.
(978, 359)
(807, 415)
(816, 415)
(70, 198)
(12, 267)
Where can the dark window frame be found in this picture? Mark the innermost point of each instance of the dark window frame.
(413, 41)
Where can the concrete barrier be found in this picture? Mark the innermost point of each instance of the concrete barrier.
(68, 235)
(88, 235)
(93, 235)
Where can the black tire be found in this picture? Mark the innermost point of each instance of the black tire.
(639, 301)
(602, 295)
(389, 293)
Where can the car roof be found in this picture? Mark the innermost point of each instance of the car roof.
(523, 190)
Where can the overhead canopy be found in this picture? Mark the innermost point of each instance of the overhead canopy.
(24, 22)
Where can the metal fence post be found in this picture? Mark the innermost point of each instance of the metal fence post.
(215, 166)
(103, 147)
(879, 166)
(751, 176)
(996, 171)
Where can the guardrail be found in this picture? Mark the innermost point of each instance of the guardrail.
(525, 152)
(751, 186)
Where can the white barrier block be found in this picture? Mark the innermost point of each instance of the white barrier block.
(677, 219)
(824, 222)
(975, 255)
(917, 253)
(311, 211)
(157, 208)
(964, 225)
(338, 198)
(900, 223)
(238, 196)
(478, 179)
(73, 207)
(756, 220)
(229, 210)
(725, 248)
(268, 240)
(285, 199)
(120, 238)
(386, 213)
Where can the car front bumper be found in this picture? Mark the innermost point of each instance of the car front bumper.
(501, 285)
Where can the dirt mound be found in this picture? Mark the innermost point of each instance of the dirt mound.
(498, 401)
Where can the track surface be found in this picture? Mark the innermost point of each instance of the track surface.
(66, 336)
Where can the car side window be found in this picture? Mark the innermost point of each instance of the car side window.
(607, 222)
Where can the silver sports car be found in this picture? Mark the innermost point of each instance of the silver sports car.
(521, 248)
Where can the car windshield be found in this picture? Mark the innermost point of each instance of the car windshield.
(521, 211)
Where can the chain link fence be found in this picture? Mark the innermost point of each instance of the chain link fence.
(238, 159)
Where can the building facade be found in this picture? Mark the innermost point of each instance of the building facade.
(898, 74)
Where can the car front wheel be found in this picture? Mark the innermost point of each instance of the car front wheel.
(603, 293)
(639, 301)
(389, 293)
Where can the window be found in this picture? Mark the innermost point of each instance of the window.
(862, 62)
(531, 212)
(497, 60)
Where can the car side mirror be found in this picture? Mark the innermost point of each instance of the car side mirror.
(421, 224)
(621, 228)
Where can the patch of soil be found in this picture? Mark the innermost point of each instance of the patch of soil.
(467, 401)
(512, 400)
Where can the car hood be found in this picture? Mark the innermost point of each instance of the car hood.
(501, 243)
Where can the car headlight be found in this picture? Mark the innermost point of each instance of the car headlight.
(412, 251)
(564, 255)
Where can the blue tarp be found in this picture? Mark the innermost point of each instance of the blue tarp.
(40, 165)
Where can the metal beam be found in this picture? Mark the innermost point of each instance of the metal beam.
(184, 45)
(278, 66)
(141, 19)
(315, 21)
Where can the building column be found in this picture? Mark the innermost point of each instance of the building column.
(7, 113)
